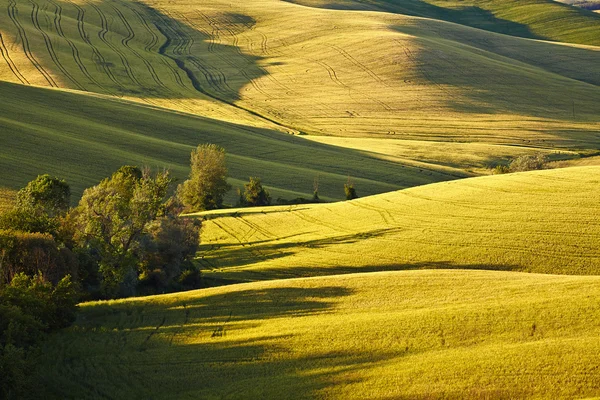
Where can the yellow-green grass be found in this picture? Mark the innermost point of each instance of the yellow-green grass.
(388, 335)
(85, 138)
(541, 221)
(477, 157)
(537, 19)
(334, 72)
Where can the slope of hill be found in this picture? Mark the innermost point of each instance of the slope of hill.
(543, 221)
(276, 64)
(85, 138)
(394, 335)
(535, 19)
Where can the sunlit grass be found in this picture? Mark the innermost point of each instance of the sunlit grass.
(411, 334)
(543, 221)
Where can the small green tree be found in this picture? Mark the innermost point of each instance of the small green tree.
(349, 190)
(254, 194)
(207, 183)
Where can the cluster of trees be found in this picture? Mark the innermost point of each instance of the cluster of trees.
(523, 163)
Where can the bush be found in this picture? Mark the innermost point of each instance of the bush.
(350, 191)
(500, 169)
(254, 194)
(528, 163)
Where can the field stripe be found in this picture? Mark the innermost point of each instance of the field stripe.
(95, 52)
(102, 35)
(11, 65)
(36, 23)
(13, 14)
(125, 42)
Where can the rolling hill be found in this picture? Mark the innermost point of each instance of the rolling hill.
(84, 138)
(389, 335)
(542, 221)
(284, 67)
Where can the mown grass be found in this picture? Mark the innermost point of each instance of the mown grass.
(391, 335)
(85, 138)
(541, 221)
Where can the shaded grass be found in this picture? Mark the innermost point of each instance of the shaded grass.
(7, 198)
(413, 334)
(543, 221)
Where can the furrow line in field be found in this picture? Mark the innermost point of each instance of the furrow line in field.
(354, 61)
(381, 212)
(99, 58)
(74, 50)
(11, 65)
(255, 226)
(49, 46)
(13, 14)
(153, 42)
(102, 35)
(125, 42)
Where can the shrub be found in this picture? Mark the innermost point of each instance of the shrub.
(350, 191)
(254, 194)
(528, 163)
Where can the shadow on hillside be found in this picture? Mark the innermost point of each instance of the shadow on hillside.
(189, 345)
(472, 16)
(124, 48)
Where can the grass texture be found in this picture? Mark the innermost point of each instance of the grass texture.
(542, 221)
(390, 335)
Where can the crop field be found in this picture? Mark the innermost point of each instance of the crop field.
(75, 130)
(543, 221)
(391, 335)
(279, 66)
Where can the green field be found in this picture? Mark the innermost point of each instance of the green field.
(440, 281)
(269, 66)
(391, 335)
(543, 222)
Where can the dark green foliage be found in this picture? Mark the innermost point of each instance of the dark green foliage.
(30, 307)
(207, 183)
(112, 218)
(254, 194)
(30, 253)
(350, 191)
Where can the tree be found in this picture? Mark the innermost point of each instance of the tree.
(254, 194)
(112, 218)
(528, 163)
(39, 206)
(349, 190)
(45, 194)
(207, 183)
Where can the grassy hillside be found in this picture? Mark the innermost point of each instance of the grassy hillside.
(394, 335)
(535, 19)
(7, 198)
(85, 138)
(544, 221)
(275, 64)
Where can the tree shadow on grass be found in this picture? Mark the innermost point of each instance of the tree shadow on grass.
(200, 345)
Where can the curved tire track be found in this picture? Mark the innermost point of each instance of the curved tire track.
(11, 65)
(13, 14)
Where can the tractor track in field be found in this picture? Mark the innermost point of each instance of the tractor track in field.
(125, 42)
(50, 47)
(333, 76)
(360, 65)
(74, 51)
(99, 58)
(11, 65)
(153, 42)
(13, 14)
(164, 27)
(386, 215)
(225, 59)
(102, 36)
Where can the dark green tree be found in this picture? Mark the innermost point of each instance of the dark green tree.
(350, 191)
(254, 194)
